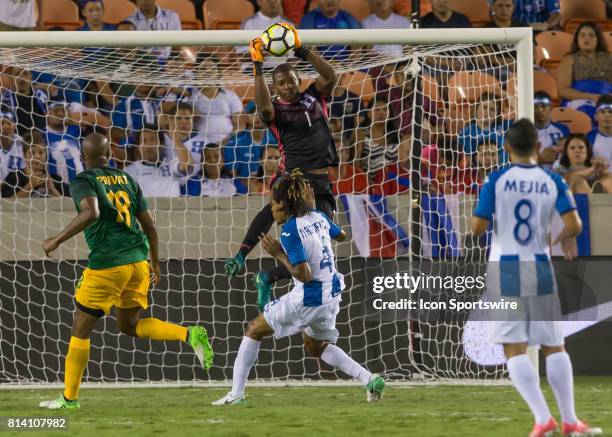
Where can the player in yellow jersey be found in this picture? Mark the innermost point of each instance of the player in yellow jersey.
(111, 210)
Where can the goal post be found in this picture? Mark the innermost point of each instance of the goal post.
(414, 215)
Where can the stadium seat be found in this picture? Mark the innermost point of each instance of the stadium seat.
(63, 13)
(543, 81)
(575, 11)
(470, 85)
(245, 92)
(554, 44)
(224, 14)
(186, 10)
(576, 121)
(357, 8)
(116, 11)
(404, 7)
(476, 10)
(359, 83)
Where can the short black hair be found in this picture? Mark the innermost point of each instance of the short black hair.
(284, 68)
(523, 137)
(541, 95)
(604, 99)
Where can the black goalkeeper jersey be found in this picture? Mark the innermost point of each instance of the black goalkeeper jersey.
(303, 133)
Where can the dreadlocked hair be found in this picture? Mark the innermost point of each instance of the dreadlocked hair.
(292, 191)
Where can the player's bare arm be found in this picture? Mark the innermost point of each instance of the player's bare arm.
(572, 227)
(479, 226)
(273, 247)
(90, 212)
(145, 218)
(263, 98)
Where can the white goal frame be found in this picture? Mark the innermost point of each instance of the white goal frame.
(521, 38)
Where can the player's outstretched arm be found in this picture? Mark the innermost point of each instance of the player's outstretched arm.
(300, 271)
(89, 213)
(263, 98)
(328, 78)
(145, 218)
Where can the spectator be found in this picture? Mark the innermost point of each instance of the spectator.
(351, 178)
(585, 72)
(244, 151)
(33, 180)
(487, 160)
(65, 88)
(21, 15)
(378, 139)
(27, 102)
(294, 9)
(149, 16)
(583, 172)
(395, 177)
(442, 16)
(450, 175)
(181, 134)
(157, 176)
(540, 14)
(219, 108)
(214, 180)
(396, 85)
(93, 11)
(601, 137)
(262, 178)
(132, 113)
(549, 132)
(488, 124)
(345, 106)
(502, 15)
(383, 17)
(329, 16)
(62, 137)
(270, 12)
(11, 146)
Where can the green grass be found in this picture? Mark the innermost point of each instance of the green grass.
(421, 411)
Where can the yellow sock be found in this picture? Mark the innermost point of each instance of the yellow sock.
(76, 361)
(156, 329)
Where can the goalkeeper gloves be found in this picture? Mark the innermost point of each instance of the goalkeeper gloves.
(234, 265)
(298, 47)
(257, 56)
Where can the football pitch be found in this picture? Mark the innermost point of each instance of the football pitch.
(317, 411)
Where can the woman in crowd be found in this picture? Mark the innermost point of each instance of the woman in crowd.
(585, 72)
(260, 183)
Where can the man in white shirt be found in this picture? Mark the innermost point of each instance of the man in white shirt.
(11, 146)
(550, 133)
(149, 16)
(601, 138)
(156, 176)
(20, 15)
(384, 18)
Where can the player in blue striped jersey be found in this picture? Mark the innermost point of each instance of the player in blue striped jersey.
(520, 201)
(313, 303)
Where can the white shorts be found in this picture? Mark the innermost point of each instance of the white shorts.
(287, 317)
(535, 322)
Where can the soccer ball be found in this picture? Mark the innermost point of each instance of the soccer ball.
(278, 39)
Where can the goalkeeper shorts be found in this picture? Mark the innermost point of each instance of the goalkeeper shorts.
(125, 286)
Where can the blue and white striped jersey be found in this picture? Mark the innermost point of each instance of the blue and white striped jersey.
(602, 146)
(521, 200)
(308, 239)
(64, 150)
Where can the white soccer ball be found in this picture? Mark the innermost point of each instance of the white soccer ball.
(278, 39)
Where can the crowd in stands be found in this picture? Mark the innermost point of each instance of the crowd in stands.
(205, 141)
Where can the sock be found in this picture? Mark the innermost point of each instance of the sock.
(156, 329)
(76, 361)
(561, 379)
(334, 356)
(247, 355)
(277, 274)
(262, 223)
(527, 383)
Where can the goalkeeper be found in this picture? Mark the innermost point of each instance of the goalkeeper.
(299, 121)
(110, 207)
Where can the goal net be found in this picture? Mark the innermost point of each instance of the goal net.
(417, 127)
